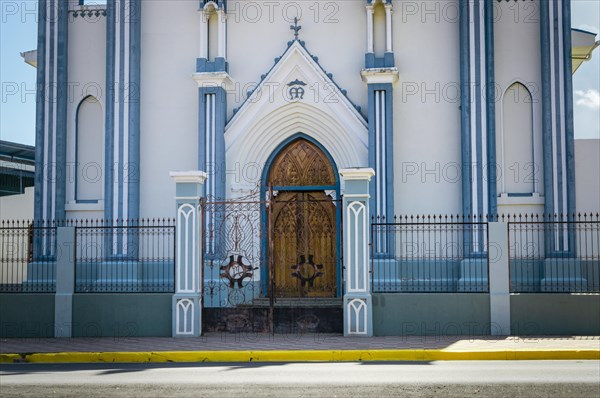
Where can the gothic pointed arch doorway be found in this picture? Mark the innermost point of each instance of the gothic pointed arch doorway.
(304, 222)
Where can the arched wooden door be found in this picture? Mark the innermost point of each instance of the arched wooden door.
(303, 223)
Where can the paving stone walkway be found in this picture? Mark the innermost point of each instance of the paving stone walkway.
(260, 342)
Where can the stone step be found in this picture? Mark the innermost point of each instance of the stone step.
(309, 302)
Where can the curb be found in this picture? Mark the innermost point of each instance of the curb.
(299, 356)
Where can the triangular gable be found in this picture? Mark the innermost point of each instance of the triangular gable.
(297, 95)
(280, 63)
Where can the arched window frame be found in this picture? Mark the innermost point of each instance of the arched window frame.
(73, 202)
(536, 143)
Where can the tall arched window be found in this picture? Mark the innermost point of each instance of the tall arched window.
(89, 151)
(520, 172)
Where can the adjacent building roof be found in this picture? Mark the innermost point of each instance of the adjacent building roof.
(17, 153)
(16, 167)
(583, 44)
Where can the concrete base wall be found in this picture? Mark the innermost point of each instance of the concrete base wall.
(27, 315)
(410, 314)
(122, 315)
(555, 314)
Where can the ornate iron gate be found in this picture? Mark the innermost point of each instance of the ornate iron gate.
(270, 259)
(233, 252)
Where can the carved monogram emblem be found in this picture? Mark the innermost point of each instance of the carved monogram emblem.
(296, 89)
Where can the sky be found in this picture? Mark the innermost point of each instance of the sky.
(18, 33)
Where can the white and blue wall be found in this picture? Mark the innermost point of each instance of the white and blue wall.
(429, 95)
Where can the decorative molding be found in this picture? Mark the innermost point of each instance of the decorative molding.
(357, 312)
(213, 79)
(88, 12)
(380, 75)
(357, 278)
(184, 317)
(357, 173)
(189, 176)
(186, 224)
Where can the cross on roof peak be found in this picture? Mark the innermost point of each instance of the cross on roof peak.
(296, 28)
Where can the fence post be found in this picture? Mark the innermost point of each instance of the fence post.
(65, 281)
(499, 279)
(187, 300)
(358, 314)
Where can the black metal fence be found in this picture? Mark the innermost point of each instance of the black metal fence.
(27, 257)
(429, 254)
(130, 256)
(554, 253)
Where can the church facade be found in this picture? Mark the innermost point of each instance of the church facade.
(429, 96)
(459, 108)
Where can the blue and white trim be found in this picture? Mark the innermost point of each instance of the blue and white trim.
(557, 114)
(478, 107)
(211, 149)
(122, 113)
(212, 114)
(51, 112)
(381, 153)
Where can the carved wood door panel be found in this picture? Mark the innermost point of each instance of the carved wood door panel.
(304, 233)
(303, 222)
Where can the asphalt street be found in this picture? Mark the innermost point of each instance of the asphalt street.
(366, 379)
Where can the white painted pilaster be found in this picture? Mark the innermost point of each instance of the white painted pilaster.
(499, 279)
(187, 301)
(358, 313)
(65, 281)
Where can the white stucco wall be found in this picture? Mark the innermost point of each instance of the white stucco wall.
(87, 76)
(587, 170)
(517, 59)
(169, 105)
(427, 129)
(17, 207)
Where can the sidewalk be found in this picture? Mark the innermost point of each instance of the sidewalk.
(217, 347)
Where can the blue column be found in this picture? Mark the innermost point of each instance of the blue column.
(569, 124)
(380, 74)
(134, 97)
(212, 115)
(490, 103)
(51, 110)
(465, 106)
(40, 113)
(478, 122)
(381, 149)
(122, 120)
(557, 120)
(212, 79)
(381, 159)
